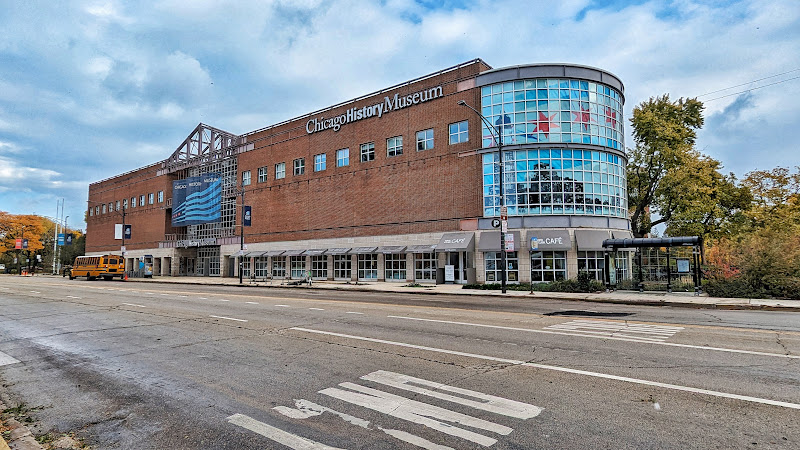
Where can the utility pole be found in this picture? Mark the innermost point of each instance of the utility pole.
(241, 237)
(55, 235)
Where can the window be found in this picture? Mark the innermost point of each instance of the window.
(425, 267)
(459, 132)
(299, 166)
(394, 146)
(278, 267)
(297, 264)
(125, 204)
(368, 152)
(141, 200)
(548, 266)
(280, 171)
(96, 210)
(246, 267)
(246, 178)
(593, 263)
(320, 161)
(262, 269)
(342, 267)
(368, 266)
(494, 267)
(110, 207)
(425, 140)
(117, 205)
(262, 174)
(133, 202)
(395, 267)
(319, 267)
(91, 212)
(104, 208)
(160, 196)
(151, 198)
(343, 157)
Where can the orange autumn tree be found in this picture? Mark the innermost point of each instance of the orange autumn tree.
(23, 226)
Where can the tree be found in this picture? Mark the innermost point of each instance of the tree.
(664, 133)
(776, 198)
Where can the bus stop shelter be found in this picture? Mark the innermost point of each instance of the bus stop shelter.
(674, 266)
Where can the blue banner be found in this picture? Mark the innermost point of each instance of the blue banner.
(61, 238)
(248, 216)
(197, 200)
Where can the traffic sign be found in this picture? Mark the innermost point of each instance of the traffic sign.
(495, 223)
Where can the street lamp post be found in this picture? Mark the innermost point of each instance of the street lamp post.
(499, 133)
(241, 239)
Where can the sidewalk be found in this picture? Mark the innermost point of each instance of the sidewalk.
(675, 299)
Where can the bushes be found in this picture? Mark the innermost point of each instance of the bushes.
(582, 284)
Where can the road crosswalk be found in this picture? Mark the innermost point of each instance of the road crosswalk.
(393, 406)
(638, 331)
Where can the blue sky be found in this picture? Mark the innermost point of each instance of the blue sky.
(91, 89)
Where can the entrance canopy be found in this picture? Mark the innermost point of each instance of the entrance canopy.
(683, 241)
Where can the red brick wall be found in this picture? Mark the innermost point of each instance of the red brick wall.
(415, 192)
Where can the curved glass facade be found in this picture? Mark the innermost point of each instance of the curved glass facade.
(555, 181)
(553, 110)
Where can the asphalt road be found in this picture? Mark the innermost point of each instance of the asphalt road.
(129, 365)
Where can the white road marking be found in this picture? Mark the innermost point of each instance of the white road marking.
(202, 298)
(133, 304)
(564, 369)
(316, 309)
(670, 344)
(466, 397)
(621, 329)
(72, 296)
(164, 294)
(276, 434)
(7, 359)
(252, 303)
(228, 318)
(224, 300)
(35, 292)
(283, 306)
(439, 419)
(354, 312)
(306, 409)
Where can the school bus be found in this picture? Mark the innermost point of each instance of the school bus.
(91, 267)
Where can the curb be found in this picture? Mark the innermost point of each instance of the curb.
(21, 437)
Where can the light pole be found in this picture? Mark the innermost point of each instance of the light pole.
(241, 239)
(55, 235)
(499, 133)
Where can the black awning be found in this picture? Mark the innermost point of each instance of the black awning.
(682, 241)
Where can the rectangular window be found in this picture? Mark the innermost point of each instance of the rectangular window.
(320, 161)
(343, 157)
(151, 198)
(319, 267)
(262, 174)
(459, 132)
(394, 146)
(133, 202)
(425, 267)
(278, 267)
(593, 263)
(246, 267)
(104, 208)
(125, 204)
(299, 166)
(262, 269)
(160, 196)
(110, 207)
(246, 178)
(297, 265)
(96, 210)
(280, 171)
(117, 206)
(494, 267)
(368, 152)
(425, 140)
(342, 267)
(368, 266)
(141, 200)
(548, 266)
(395, 267)
(91, 212)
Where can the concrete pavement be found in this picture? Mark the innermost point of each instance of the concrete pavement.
(675, 299)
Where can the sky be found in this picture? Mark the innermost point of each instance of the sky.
(93, 89)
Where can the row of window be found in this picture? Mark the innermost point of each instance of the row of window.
(552, 266)
(457, 133)
(395, 267)
(143, 200)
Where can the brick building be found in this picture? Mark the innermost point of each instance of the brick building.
(396, 185)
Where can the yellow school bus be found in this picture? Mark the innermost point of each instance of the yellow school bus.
(91, 267)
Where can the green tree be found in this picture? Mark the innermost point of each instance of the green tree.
(664, 133)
